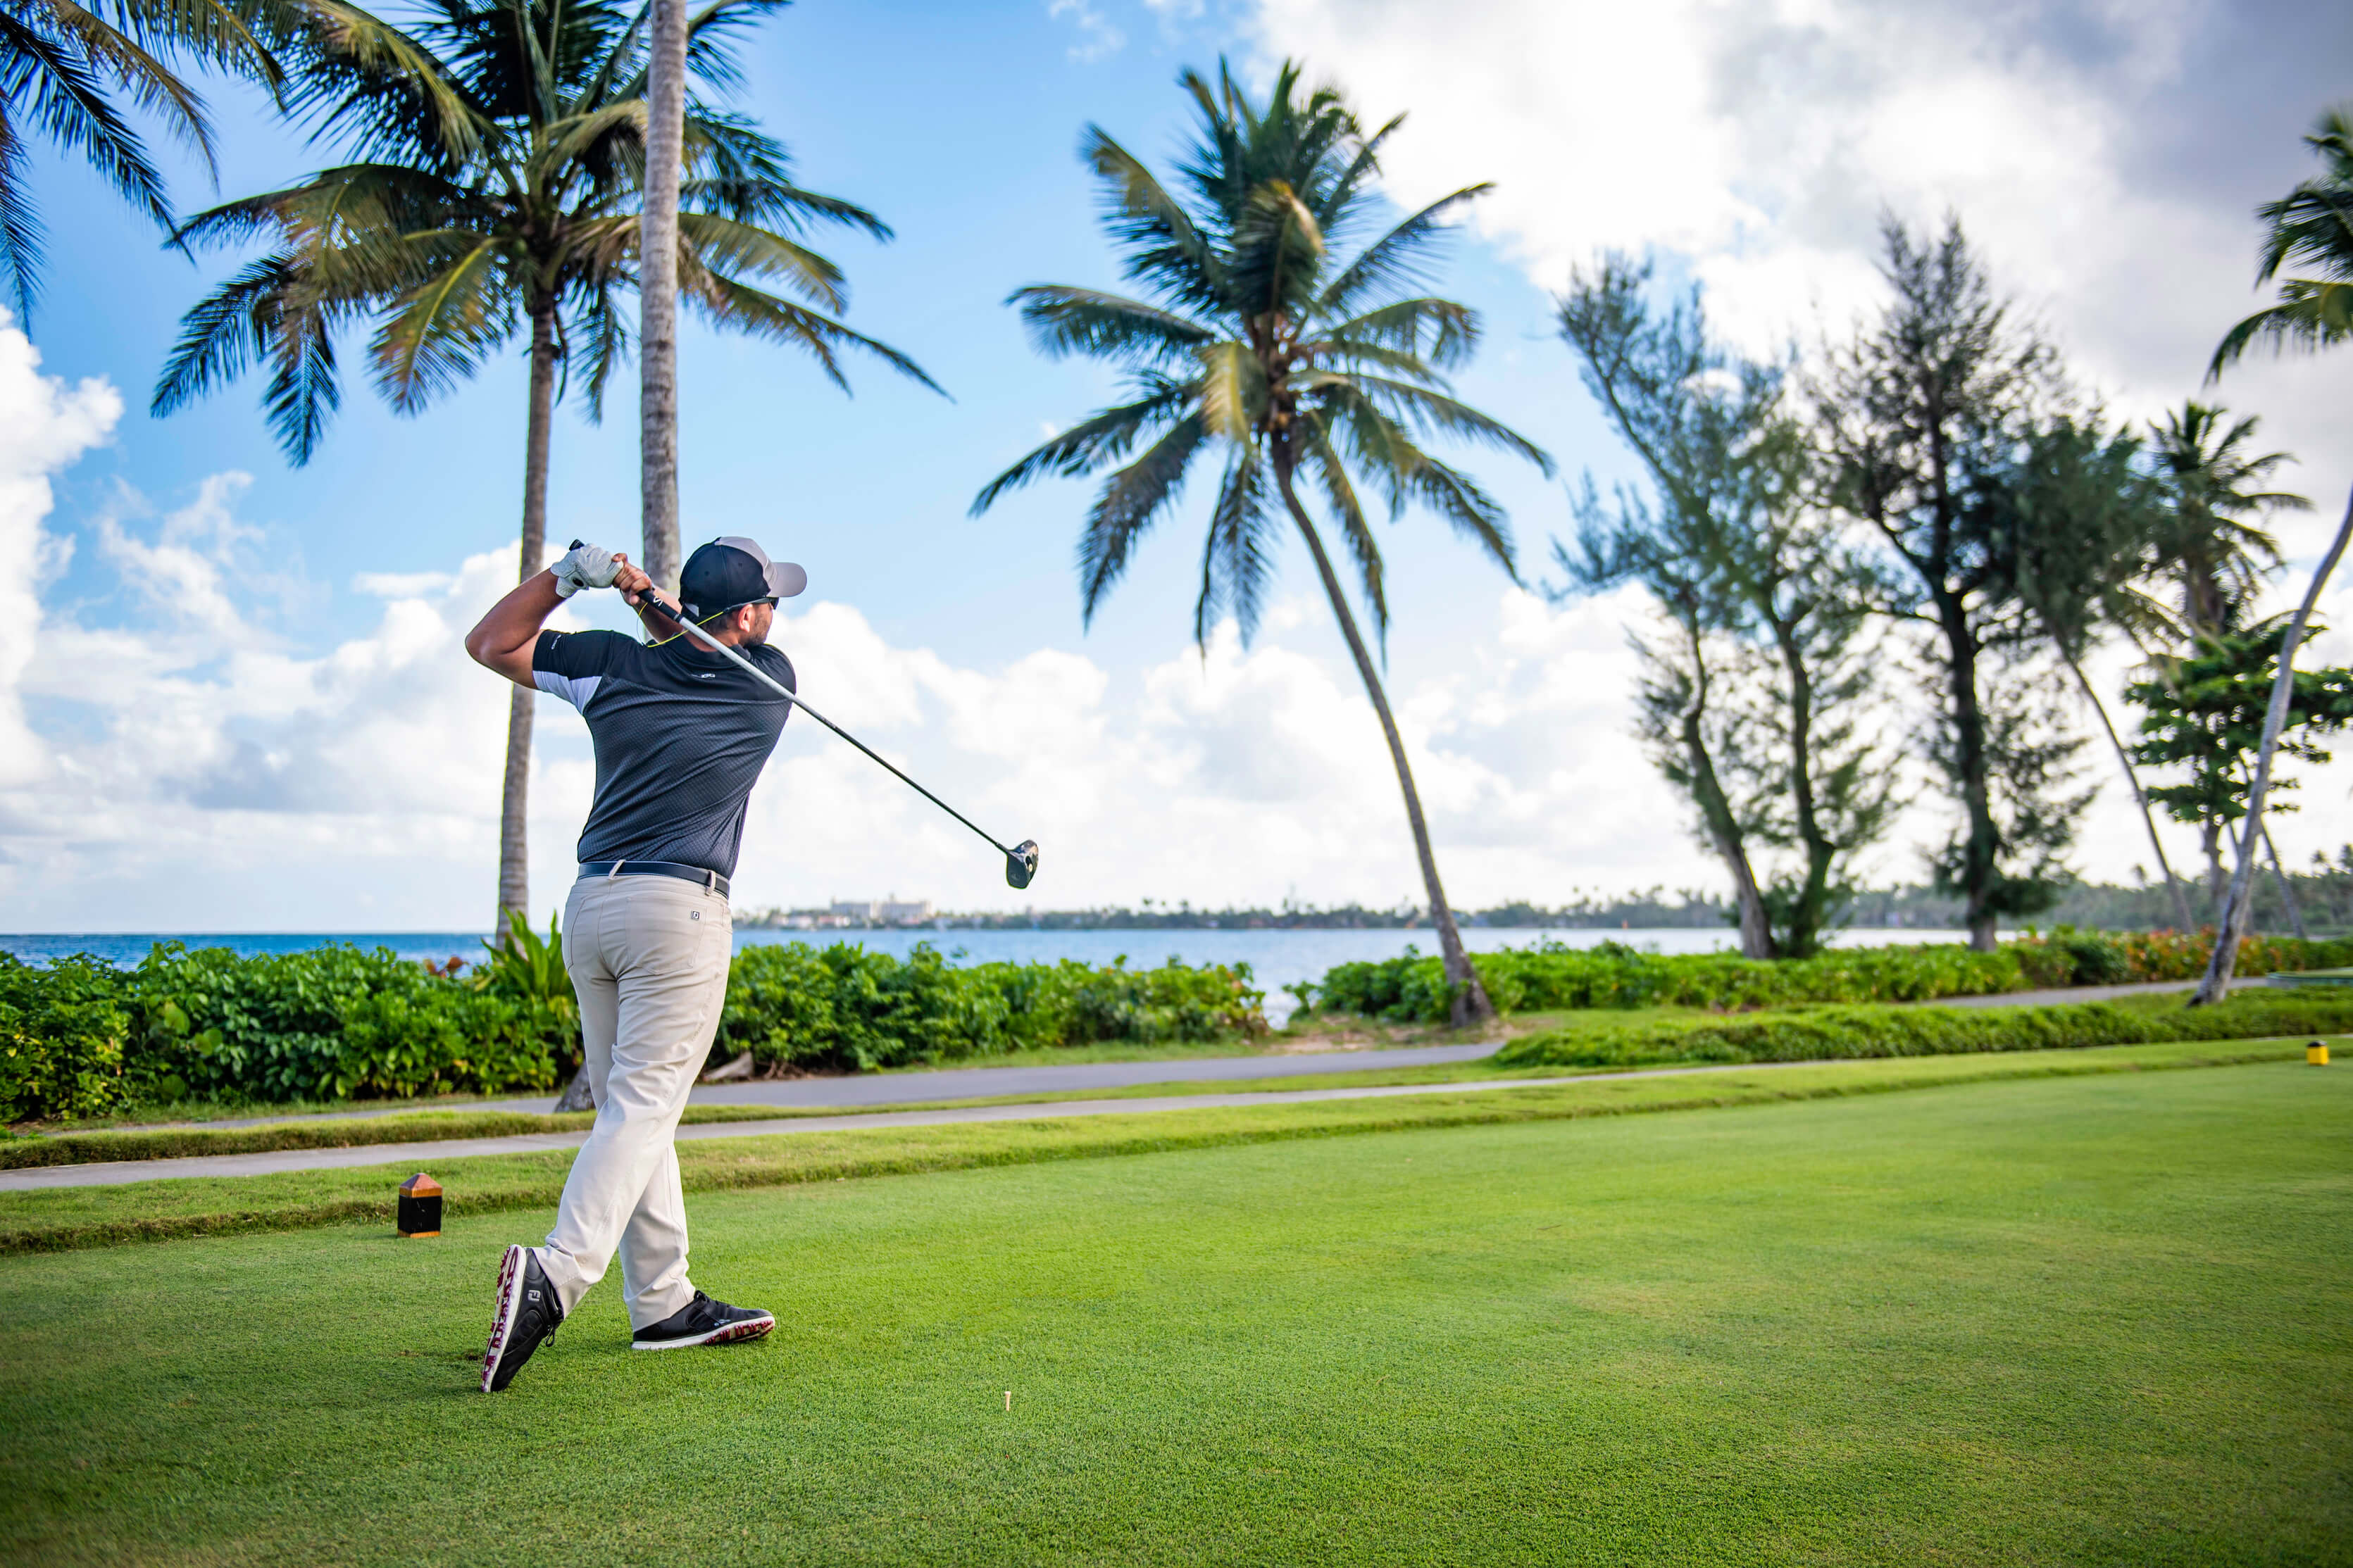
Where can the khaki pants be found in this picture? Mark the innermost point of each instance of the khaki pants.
(649, 961)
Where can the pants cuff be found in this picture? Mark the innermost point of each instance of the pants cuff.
(644, 1314)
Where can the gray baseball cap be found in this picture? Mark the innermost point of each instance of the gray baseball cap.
(734, 570)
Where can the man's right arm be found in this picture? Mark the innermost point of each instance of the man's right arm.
(502, 640)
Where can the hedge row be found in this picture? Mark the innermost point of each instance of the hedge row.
(796, 1006)
(1551, 976)
(81, 1037)
(1836, 1033)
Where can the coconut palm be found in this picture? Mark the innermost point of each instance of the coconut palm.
(2212, 552)
(62, 67)
(1261, 345)
(498, 157)
(2311, 226)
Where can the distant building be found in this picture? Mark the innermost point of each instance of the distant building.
(889, 911)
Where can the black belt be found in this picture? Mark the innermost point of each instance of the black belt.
(684, 873)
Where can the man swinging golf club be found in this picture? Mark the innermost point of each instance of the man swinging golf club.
(680, 734)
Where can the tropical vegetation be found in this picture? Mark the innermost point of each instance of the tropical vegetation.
(497, 160)
(1262, 349)
(1758, 704)
(2313, 224)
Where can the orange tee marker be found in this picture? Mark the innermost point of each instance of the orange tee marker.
(420, 1206)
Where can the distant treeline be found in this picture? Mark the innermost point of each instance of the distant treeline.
(2323, 895)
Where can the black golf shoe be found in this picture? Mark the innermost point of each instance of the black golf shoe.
(525, 1317)
(703, 1321)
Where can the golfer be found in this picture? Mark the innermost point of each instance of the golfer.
(680, 736)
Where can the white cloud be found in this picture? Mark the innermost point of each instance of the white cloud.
(44, 425)
(1761, 143)
(1098, 38)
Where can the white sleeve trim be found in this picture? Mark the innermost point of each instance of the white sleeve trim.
(574, 690)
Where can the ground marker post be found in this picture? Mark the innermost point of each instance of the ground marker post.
(2316, 1053)
(420, 1206)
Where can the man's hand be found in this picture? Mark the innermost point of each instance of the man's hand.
(638, 589)
(587, 566)
(632, 581)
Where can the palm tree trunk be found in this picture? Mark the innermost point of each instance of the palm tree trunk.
(2224, 959)
(657, 293)
(514, 843)
(2132, 778)
(1471, 1004)
(2287, 893)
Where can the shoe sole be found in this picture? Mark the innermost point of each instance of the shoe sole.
(511, 1274)
(750, 1329)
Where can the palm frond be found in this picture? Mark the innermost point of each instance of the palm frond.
(1131, 502)
(68, 102)
(1064, 321)
(1278, 251)
(1473, 513)
(1087, 446)
(152, 85)
(2313, 224)
(1395, 261)
(1428, 410)
(1234, 390)
(1438, 332)
(711, 35)
(606, 341)
(1163, 247)
(723, 245)
(1340, 495)
(2311, 314)
(440, 332)
(386, 86)
(1235, 563)
(741, 308)
(222, 334)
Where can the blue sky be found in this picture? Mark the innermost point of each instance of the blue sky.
(242, 703)
(966, 142)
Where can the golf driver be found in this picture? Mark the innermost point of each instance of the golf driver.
(1021, 861)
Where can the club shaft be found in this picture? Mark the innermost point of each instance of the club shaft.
(753, 670)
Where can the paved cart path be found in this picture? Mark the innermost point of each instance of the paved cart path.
(1077, 1078)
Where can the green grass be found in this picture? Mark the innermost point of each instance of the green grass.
(174, 1208)
(2094, 1319)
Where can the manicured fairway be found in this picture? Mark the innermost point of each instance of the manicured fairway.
(2099, 1320)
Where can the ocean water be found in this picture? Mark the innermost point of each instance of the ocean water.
(1277, 958)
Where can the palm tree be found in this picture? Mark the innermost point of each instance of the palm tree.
(2213, 553)
(1261, 345)
(2313, 224)
(60, 62)
(499, 154)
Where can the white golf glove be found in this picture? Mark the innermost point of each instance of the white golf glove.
(586, 566)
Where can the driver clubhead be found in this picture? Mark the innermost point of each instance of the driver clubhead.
(1022, 864)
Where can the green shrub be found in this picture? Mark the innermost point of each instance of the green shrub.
(843, 1006)
(1552, 976)
(1822, 1034)
(64, 1028)
(332, 1023)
